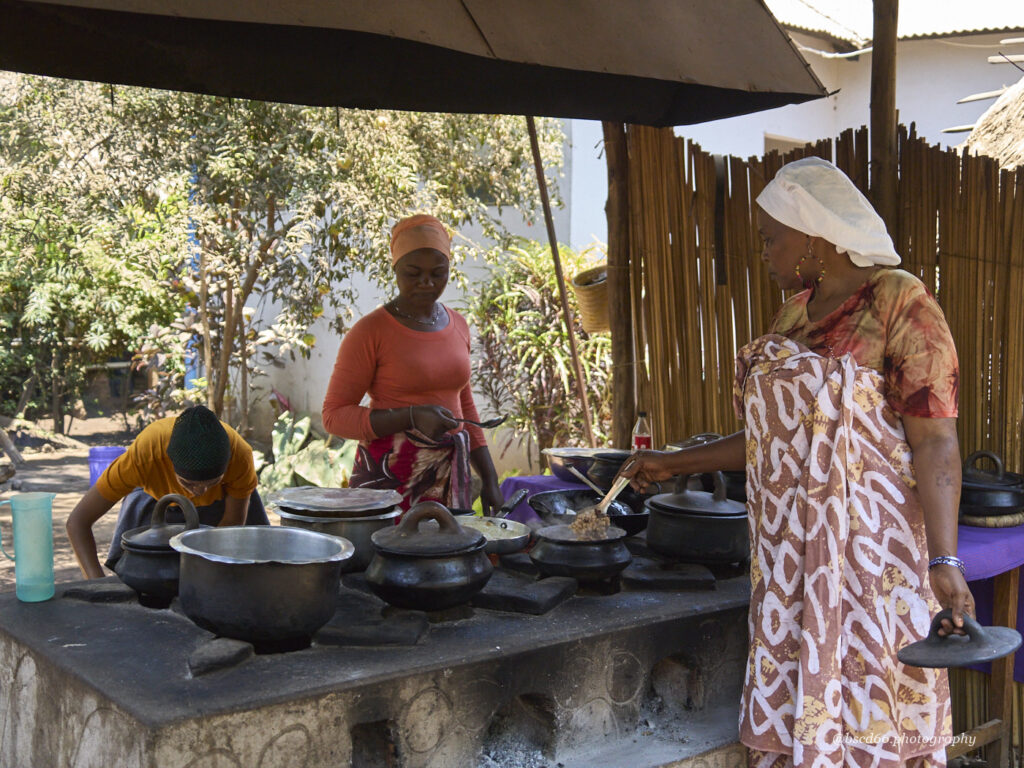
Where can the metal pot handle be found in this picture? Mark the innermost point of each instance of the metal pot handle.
(974, 630)
(971, 460)
(429, 511)
(719, 494)
(188, 509)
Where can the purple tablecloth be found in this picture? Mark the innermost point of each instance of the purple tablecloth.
(988, 552)
(523, 512)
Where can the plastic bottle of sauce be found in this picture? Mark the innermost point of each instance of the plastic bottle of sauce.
(642, 433)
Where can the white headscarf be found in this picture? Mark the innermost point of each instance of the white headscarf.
(816, 198)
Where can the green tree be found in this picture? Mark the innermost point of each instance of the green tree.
(286, 204)
(524, 367)
(86, 243)
(290, 203)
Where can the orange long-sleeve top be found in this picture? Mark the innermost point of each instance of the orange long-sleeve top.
(399, 367)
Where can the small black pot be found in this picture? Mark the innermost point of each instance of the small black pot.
(698, 527)
(557, 553)
(989, 494)
(428, 570)
(148, 564)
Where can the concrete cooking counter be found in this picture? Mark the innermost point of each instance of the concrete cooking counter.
(655, 674)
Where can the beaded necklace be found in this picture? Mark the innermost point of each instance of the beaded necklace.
(435, 316)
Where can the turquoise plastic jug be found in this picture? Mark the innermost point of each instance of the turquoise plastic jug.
(32, 516)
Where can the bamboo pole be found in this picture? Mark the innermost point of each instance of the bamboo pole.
(581, 382)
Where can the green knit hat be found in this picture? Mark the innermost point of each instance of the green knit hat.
(199, 447)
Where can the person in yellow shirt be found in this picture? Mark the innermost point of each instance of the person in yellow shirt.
(194, 454)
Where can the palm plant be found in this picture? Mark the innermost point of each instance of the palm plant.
(524, 366)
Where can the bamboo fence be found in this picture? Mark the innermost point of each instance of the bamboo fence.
(960, 228)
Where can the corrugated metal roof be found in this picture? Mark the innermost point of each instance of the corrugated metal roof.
(851, 20)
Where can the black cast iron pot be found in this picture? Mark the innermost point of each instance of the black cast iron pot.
(698, 527)
(988, 494)
(558, 552)
(148, 564)
(428, 570)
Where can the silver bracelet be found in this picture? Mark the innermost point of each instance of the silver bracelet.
(412, 421)
(948, 560)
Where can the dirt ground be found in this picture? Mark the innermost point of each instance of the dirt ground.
(66, 474)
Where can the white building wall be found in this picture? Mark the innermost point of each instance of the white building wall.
(931, 76)
(304, 381)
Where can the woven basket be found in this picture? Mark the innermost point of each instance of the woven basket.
(994, 521)
(591, 289)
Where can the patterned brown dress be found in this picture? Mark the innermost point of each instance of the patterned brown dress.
(839, 577)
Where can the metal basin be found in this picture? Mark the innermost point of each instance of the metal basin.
(270, 586)
(357, 530)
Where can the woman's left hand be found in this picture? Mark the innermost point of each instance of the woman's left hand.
(952, 592)
(491, 498)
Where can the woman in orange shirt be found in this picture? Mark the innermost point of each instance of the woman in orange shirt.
(412, 356)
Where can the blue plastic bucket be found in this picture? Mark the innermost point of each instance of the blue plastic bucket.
(101, 457)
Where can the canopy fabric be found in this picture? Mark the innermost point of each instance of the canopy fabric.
(652, 62)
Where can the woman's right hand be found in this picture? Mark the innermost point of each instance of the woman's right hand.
(646, 467)
(432, 420)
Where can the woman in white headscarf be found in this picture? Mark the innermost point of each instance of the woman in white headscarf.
(853, 478)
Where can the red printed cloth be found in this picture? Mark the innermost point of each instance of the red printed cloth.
(418, 468)
(838, 571)
(894, 326)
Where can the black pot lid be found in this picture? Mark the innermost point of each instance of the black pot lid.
(981, 479)
(697, 503)
(410, 538)
(153, 538)
(980, 644)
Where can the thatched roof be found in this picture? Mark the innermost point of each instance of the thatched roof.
(999, 133)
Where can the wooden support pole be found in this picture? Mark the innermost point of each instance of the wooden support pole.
(620, 302)
(581, 382)
(883, 112)
(1004, 614)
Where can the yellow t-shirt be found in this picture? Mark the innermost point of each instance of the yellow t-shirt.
(146, 465)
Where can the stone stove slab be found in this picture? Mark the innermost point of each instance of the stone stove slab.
(78, 678)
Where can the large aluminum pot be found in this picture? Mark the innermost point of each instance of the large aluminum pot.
(267, 585)
(358, 530)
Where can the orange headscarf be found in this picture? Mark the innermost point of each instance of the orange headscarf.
(419, 231)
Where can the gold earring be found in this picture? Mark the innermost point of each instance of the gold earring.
(821, 267)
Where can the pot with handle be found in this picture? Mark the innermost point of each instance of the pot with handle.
(698, 527)
(424, 569)
(149, 564)
(986, 494)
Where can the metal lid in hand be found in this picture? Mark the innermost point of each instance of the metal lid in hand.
(715, 504)
(980, 644)
(407, 538)
(158, 534)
